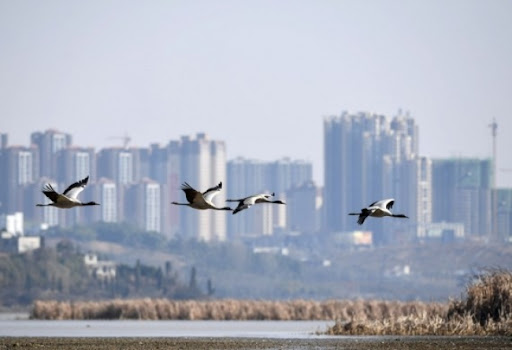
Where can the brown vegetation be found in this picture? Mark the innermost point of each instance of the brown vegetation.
(231, 309)
(489, 298)
(487, 310)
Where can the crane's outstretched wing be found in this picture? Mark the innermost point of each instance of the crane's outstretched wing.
(74, 190)
(389, 205)
(210, 193)
(383, 203)
(374, 203)
(49, 192)
(362, 217)
(190, 193)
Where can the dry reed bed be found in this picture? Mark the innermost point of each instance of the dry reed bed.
(423, 325)
(486, 310)
(231, 309)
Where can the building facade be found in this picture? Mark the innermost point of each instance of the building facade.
(142, 205)
(504, 214)
(75, 163)
(247, 177)
(49, 143)
(19, 168)
(462, 193)
(105, 192)
(302, 211)
(201, 162)
(368, 157)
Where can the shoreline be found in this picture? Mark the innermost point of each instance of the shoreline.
(200, 343)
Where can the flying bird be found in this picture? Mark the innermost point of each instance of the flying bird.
(378, 209)
(201, 201)
(67, 199)
(245, 203)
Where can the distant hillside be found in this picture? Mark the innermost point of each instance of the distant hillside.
(290, 267)
(417, 272)
(60, 273)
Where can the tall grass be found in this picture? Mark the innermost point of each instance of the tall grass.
(232, 309)
(486, 310)
(489, 298)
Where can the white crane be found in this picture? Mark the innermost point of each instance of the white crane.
(68, 198)
(201, 201)
(247, 202)
(378, 209)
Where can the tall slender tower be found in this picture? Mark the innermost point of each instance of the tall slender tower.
(494, 192)
(494, 133)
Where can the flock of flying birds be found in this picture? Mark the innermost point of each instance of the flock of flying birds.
(202, 201)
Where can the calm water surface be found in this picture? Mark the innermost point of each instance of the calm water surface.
(17, 325)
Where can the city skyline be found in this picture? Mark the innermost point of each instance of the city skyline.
(123, 144)
(367, 156)
(259, 75)
(137, 184)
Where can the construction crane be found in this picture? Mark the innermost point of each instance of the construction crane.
(126, 139)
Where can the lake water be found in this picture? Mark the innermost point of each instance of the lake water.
(278, 335)
(18, 325)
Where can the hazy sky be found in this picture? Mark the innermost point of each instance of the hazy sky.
(260, 75)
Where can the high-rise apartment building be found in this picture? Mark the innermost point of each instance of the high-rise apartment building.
(49, 143)
(142, 202)
(414, 196)
(260, 220)
(368, 157)
(302, 208)
(201, 162)
(47, 215)
(19, 167)
(4, 140)
(123, 165)
(75, 163)
(105, 192)
(285, 173)
(125, 168)
(504, 214)
(462, 193)
(159, 169)
(247, 177)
